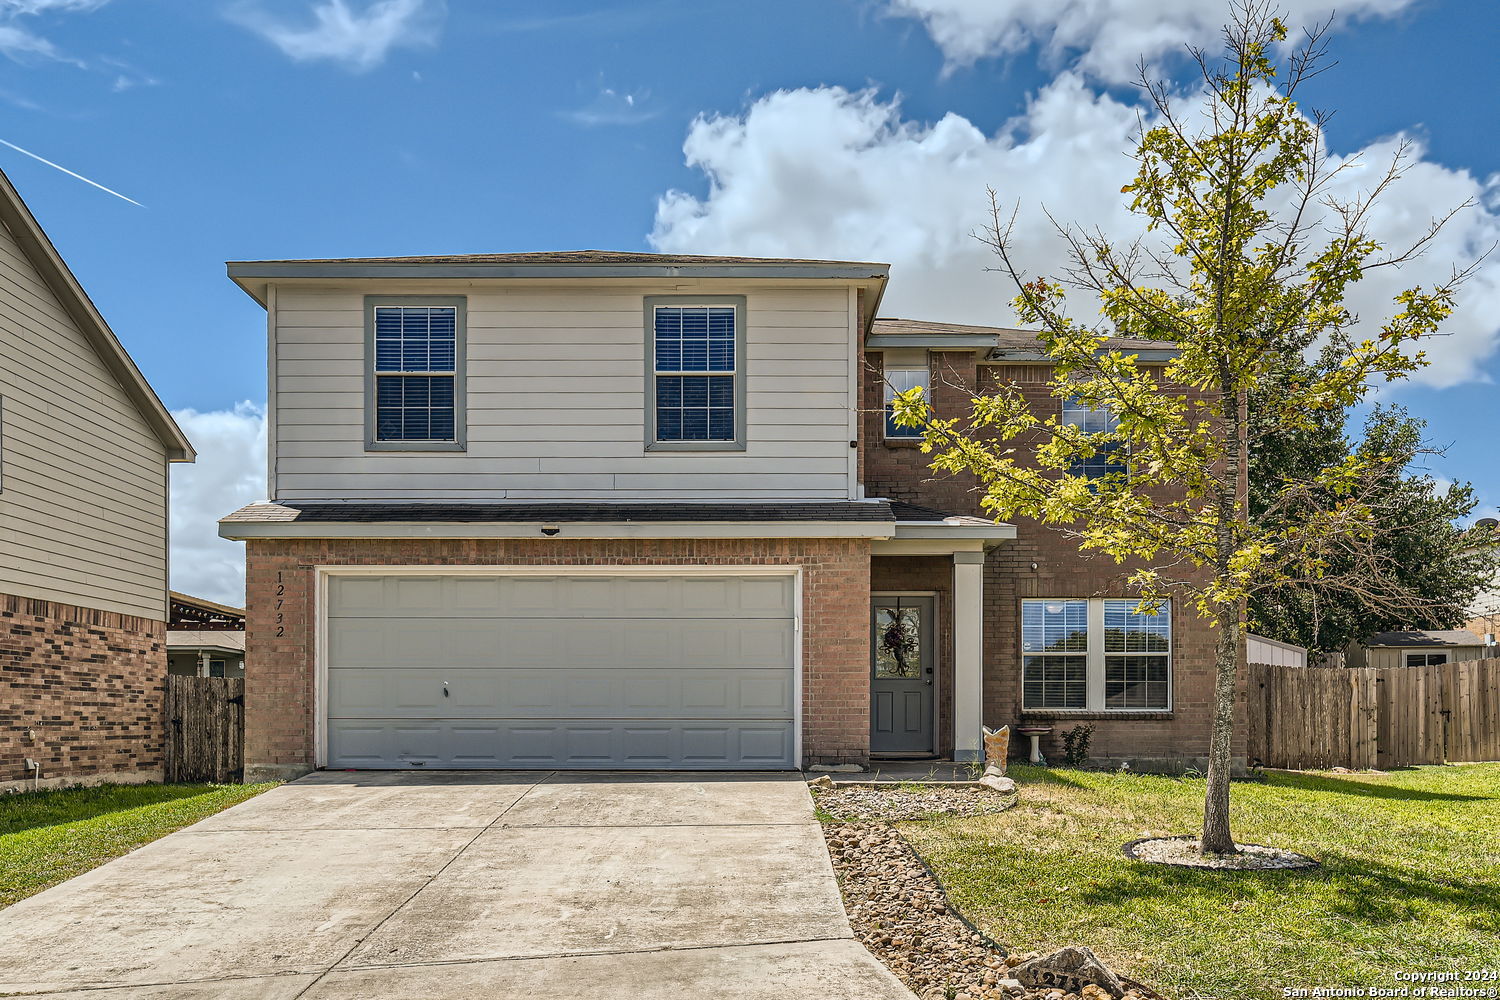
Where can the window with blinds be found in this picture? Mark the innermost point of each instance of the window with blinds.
(696, 374)
(416, 354)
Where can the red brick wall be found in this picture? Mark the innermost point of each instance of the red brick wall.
(898, 470)
(279, 579)
(80, 691)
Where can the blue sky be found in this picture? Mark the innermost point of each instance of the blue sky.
(862, 128)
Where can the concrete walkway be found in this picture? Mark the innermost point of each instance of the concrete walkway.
(462, 884)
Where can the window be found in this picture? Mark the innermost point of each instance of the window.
(696, 378)
(415, 382)
(1054, 641)
(216, 668)
(1137, 651)
(899, 380)
(1095, 655)
(1426, 659)
(1107, 459)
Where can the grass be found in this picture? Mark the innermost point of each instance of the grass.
(1410, 878)
(50, 836)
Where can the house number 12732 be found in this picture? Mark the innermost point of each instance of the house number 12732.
(280, 618)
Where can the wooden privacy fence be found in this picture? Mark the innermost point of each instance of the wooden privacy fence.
(1321, 717)
(205, 719)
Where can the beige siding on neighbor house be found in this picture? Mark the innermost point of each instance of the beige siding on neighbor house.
(556, 398)
(1395, 656)
(83, 490)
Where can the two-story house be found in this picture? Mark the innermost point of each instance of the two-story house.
(85, 447)
(622, 510)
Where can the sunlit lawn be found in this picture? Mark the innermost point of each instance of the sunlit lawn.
(49, 836)
(1410, 878)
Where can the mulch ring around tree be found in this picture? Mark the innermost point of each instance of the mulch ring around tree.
(901, 802)
(899, 911)
(1183, 853)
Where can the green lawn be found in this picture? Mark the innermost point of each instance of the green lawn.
(47, 837)
(1410, 878)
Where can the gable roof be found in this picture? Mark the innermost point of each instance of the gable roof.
(1003, 343)
(49, 264)
(1420, 637)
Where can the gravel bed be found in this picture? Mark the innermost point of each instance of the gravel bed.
(898, 909)
(900, 803)
(1183, 852)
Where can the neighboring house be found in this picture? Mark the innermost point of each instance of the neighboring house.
(84, 452)
(1418, 648)
(619, 510)
(205, 639)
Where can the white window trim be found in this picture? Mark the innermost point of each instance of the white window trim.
(741, 363)
(1094, 660)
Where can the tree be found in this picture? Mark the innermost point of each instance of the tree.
(1250, 251)
(1428, 552)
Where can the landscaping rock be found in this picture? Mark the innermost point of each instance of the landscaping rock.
(840, 768)
(898, 910)
(1073, 969)
(898, 802)
(821, 782)
(998, 783)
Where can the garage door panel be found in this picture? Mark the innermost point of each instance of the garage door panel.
(580, 692)
(476, 671)
(562, 596)
(693, 644)
(606, 743)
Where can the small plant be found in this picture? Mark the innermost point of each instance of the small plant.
(1076, 744)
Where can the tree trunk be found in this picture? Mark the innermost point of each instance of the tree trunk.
(1217, 838)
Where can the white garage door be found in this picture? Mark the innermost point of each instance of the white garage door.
(560, 671)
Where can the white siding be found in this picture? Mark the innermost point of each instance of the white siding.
(83, 498)
(556, 399)
(1259, 649)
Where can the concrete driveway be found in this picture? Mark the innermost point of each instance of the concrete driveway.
(462, 884)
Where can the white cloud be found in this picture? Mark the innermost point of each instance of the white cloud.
(359, 39)
(613, 107)
(229, 473)
(832, 173)
(1107, 38)
(20, 43)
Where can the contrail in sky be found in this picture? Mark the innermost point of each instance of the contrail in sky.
(70, 173)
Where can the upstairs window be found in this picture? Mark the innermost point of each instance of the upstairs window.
(696, 390)
(1110, 457)
(897, 381)
(415, 382)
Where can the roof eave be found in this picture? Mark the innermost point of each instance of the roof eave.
(245, 530)
(1019, 356)
(34, 242)
(251, 275)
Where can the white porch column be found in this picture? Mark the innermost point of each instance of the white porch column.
(968, 648)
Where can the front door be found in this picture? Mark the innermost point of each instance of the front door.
(902, 675)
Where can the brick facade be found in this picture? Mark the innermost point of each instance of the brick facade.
(280, 581)
(82, 693)
(1039, 562)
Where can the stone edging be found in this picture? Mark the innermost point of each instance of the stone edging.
(1295, 861)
